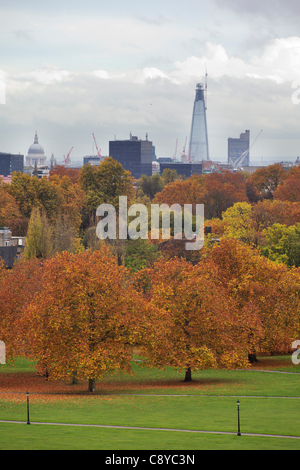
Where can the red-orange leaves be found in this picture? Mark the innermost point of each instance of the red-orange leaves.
(199, 322)
(85, 318)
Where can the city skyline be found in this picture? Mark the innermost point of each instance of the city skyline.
(73, 69)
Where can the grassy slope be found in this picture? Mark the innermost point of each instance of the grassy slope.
(258, 415)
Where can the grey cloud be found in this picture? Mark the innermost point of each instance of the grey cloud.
(269, 9)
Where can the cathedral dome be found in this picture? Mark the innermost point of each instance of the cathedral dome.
(36, 153)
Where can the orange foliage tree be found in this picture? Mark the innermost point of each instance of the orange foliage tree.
(199, 320)
(85, 319)
(181, 192)
(267, 295)
(18, 287)
(267, 179)
(223, 190)
(61, 171)
(9, 208)
(217, 191)
(289, 190)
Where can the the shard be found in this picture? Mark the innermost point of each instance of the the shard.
(198, 150)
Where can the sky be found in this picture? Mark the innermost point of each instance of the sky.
(69, 69)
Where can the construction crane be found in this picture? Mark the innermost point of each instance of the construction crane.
(98, 151)
(239, 162)
(67, 159)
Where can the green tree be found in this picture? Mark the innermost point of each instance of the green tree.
(238, 223)
(140, 254)
(151, 185)
(31, 192)
(283, 244)
(169, 176)
(104, 184)
(38, 242)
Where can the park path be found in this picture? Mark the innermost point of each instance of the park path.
(153, 429)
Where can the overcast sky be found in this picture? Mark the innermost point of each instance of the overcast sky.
(73, 68)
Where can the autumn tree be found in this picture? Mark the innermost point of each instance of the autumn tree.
(72, 199)
(267, 294)
(61, 171)
(267, 179)
(199, 320)
(85, 319)
(9, 208)
(18, 286)
(189, 191)
(105, 183)
(221, 191)
(238, 223)
(289, 190)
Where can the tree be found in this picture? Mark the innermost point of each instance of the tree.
(8, 207)
(289, 190)
(85, 318)
(283, 244)
(267, 179)
(151, 185)
(169, 176)
(61, 171)
(18, 286)
(140, 254)
(105, 183)
(198, 319)
(267, 295)
(221, 191)
(182, 192)
(72, 199)
(32, 192)
(38, 243)
(238, 223)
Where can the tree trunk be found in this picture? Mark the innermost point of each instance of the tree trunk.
(252, 358)
(74, 379)
(92, 385)
(188, 375)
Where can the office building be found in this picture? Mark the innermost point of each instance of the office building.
(183, 169)
(10, 163)
(239, 150)
(134, 154)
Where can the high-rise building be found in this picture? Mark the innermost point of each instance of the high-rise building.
(199, 141)
(134, 154)
(10, 163)
(239, 149)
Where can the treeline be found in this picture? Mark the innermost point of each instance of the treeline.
(77, 305)
(261, 209)
(79, 315)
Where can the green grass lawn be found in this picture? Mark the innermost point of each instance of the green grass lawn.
(203, 405)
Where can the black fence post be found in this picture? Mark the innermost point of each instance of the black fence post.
(28, 420)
